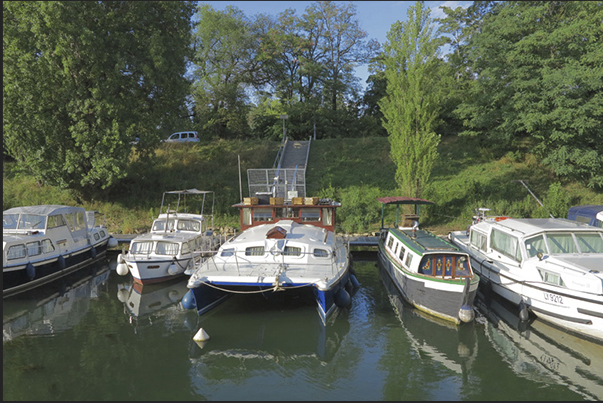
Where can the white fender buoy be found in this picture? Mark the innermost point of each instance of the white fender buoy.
(173, 269)
(201, 335)
(122, 269)
(112, 242)
(466, 314)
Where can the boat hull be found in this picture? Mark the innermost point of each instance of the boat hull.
(151, 271)
(17, 279)
(440, 298)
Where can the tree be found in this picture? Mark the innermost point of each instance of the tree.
(538, 74)
(410, 108)
(82, 79)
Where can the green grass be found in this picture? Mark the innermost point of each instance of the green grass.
(354, 171)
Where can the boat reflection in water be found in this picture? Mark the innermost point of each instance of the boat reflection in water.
(259, 335)
(147, 304)
(541, 352)
(453, 346)
(56, 307)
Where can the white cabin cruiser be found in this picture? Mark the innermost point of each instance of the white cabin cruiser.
(552, 267)
(282, 247)
(177, 240)
(43, 243)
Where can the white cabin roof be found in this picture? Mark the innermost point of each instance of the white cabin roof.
(532, 226)
(44, 209)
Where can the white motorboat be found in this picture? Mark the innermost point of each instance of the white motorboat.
(283, 247)
(552, 267)
(43, 243)
(429, 272)
(177, 240)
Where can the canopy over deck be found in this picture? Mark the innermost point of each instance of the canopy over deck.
(398, 200)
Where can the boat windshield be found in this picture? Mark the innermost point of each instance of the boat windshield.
(159, 225)
(565, 243)
(189, 225)
(23, 221)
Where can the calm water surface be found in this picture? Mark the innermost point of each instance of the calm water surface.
(97, 337)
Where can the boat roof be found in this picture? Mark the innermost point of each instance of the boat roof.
(423, 241)
(43, 209)
(403, 200)
(590, 210)
(189, 192)
(529, 226)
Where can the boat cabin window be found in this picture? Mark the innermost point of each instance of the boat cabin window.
(262, 214)
(478, 240)
(443, 265)
(80, 221)
(320, 253)
(505, 244)
(292, 251)
(166, 248)
(159, 225)
(246, 216)
(33, 248)
(327, 216)
(310, 215)
(47, 246)
(9, 221)
(590, 243)
(390, 242)
(402, 250)
(227, 252)
(31, 221)
(254, 251)
(142, 247)
(96, 236)
(535, 245)
(561, 243)
(56, 221)
(185, 248)
(408, 259)
(189, 225)
(16, 252)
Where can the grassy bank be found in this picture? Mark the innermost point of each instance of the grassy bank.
(353, 171)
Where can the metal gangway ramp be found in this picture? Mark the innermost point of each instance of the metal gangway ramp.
(287, 177)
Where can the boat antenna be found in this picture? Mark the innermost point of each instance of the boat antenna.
(533, 195)
(240, 186)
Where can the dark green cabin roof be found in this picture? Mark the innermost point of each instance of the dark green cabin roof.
(422, 241)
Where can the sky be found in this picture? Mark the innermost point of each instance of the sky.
(375, 17)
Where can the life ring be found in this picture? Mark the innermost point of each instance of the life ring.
(500, 218)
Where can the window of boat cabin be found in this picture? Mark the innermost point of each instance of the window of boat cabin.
(47, 246)
(227, 252)
(310, 214)
(96, 236)
(189, 225)
(320, 253)
(390, 242)
(185, 248)
(254, 251)
(408, 260)
(31, 221)
(505, 244)
(142, 247)
(535, 245)
(9, 221)
(33, 248)
(16, 252)
(159, 225)
(166, 248)
(56, 221)
(396, 248)
(590, 242)
(80, 221)
(402, 251)
(327, 216)
(246, 216)
(292, 251)
(561, 243)
(262, 214)
(478, 240)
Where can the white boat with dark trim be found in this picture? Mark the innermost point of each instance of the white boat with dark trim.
(282, 247)
(177, 240)
(430, 273)
(43, 243)
(551, 267)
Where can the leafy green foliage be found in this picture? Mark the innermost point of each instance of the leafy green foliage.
(411, 105)
(82, 79)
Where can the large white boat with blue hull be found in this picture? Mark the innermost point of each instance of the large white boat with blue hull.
(552, 267)
(43, 243)
(430, 273)
(282, 247)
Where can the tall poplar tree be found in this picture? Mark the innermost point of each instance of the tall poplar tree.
(410, 107)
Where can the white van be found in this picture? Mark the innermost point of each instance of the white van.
(183, 137)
